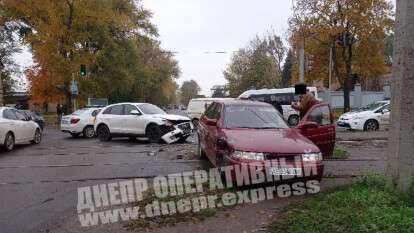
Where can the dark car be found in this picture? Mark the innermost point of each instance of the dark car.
(242, 132)
(34, 117)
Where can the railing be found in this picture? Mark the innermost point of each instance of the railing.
(358, 98)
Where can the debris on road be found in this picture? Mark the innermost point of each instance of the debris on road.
(172, 136)
(47, 200)
(192, 155)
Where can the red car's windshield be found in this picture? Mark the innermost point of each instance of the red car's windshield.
(257, 117)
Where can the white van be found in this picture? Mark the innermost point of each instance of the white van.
(196, 107)
(285, 96)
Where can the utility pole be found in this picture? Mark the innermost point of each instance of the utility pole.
(302, 62)
(74, 91)
(301, 53)
(1, 92)
(328, 92)
(400, 167)
(330, 66)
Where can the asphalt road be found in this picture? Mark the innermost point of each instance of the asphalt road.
(38, 184)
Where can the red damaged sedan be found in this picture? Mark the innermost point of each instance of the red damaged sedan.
(254, 135)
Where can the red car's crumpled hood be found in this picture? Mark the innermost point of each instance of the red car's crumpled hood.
(284, 141)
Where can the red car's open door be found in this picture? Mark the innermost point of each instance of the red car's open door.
(318, 125)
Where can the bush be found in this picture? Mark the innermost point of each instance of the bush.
(373, 180)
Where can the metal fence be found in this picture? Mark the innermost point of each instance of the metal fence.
(358, 98)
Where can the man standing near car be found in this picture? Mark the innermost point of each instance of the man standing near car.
(306, 102)
(276, 104)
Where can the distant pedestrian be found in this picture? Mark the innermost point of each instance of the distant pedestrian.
(59, 112)
(276, 104)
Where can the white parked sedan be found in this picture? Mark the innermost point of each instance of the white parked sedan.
(80, 122)
(369, 118)
(141, 120)
(16, 128)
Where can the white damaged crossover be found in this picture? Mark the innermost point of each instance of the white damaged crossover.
(141, 120)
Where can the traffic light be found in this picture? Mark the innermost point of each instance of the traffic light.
(82, 70)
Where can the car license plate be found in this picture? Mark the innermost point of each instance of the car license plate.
(285, 171)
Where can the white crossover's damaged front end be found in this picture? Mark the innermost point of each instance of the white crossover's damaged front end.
(172, 136)
(177, 132)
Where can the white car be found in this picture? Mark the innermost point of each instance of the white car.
(141, 120)
(80, 122)
(16, 128)
(369, 118)
(196, 108)
(285, 96)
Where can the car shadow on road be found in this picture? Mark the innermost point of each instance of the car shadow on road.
(15, 150)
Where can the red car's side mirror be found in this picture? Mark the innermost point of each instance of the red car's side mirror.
(308, 125)
(211, 122)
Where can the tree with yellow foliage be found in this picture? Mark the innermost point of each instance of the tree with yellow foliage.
(113, 38)
(354, 30)
(43, 87)
(258, 65)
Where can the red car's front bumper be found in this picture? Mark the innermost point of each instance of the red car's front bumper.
(309, 170)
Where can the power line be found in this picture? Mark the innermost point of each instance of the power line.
(205, 52)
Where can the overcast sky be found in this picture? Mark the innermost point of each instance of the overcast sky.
(193, 27)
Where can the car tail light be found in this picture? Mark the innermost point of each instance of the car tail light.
(74, 120)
